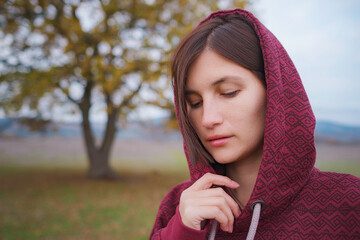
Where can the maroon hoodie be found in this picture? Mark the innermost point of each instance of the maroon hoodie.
(301, 202)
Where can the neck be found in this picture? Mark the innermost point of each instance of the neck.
(245, 173)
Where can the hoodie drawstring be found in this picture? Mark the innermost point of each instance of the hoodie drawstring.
(213, 229)
(256, 208)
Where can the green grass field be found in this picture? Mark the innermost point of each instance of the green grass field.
(49, 204)
(38, 203)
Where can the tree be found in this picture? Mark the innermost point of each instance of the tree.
(85, 52)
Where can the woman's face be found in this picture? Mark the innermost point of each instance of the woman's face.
(226, 104)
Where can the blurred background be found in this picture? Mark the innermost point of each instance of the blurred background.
(88, 137)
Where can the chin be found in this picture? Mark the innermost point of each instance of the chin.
(224, 160)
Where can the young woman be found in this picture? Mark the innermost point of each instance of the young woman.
(248, 132)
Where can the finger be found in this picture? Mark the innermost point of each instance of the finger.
(222, 204)
(210, 179)
(214, 212)
(218, 192)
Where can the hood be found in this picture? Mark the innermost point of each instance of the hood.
(289, 150)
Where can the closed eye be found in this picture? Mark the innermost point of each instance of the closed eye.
(230, 94)
(195, 104)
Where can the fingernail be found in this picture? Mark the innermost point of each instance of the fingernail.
(231, 229)
(235, 184)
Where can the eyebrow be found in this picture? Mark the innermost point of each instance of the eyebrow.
(226, 79)
(217, 82)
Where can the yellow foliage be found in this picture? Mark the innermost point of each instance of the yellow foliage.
(116, 43)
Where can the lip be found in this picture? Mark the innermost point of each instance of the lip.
(218, 140)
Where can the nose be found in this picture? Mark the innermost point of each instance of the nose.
(211, 115)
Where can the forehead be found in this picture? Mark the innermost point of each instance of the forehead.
(211, 69)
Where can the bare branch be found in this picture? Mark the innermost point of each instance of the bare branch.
(129, 97)
(67, 94)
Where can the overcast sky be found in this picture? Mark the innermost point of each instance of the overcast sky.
(323, 40)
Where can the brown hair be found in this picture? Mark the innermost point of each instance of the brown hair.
(230, 36)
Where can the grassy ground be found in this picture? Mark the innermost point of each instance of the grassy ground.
(62, 204)
(44, 193)
(48, 204)
(346, 167)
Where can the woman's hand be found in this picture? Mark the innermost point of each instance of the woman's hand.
(200, 202)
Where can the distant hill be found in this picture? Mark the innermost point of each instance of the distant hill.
(153, 129)
(328, 132)
(336, 133)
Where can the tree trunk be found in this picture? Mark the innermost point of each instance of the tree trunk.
(99, 167)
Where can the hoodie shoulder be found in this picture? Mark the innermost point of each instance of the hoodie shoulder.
(331, 191)
(327, 204)
(332, 181)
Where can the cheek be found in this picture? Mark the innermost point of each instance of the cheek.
(255, 111)
(259, 102)
(261, 114)
(262, 108)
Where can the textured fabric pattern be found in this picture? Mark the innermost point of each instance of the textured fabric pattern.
(301, 201)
